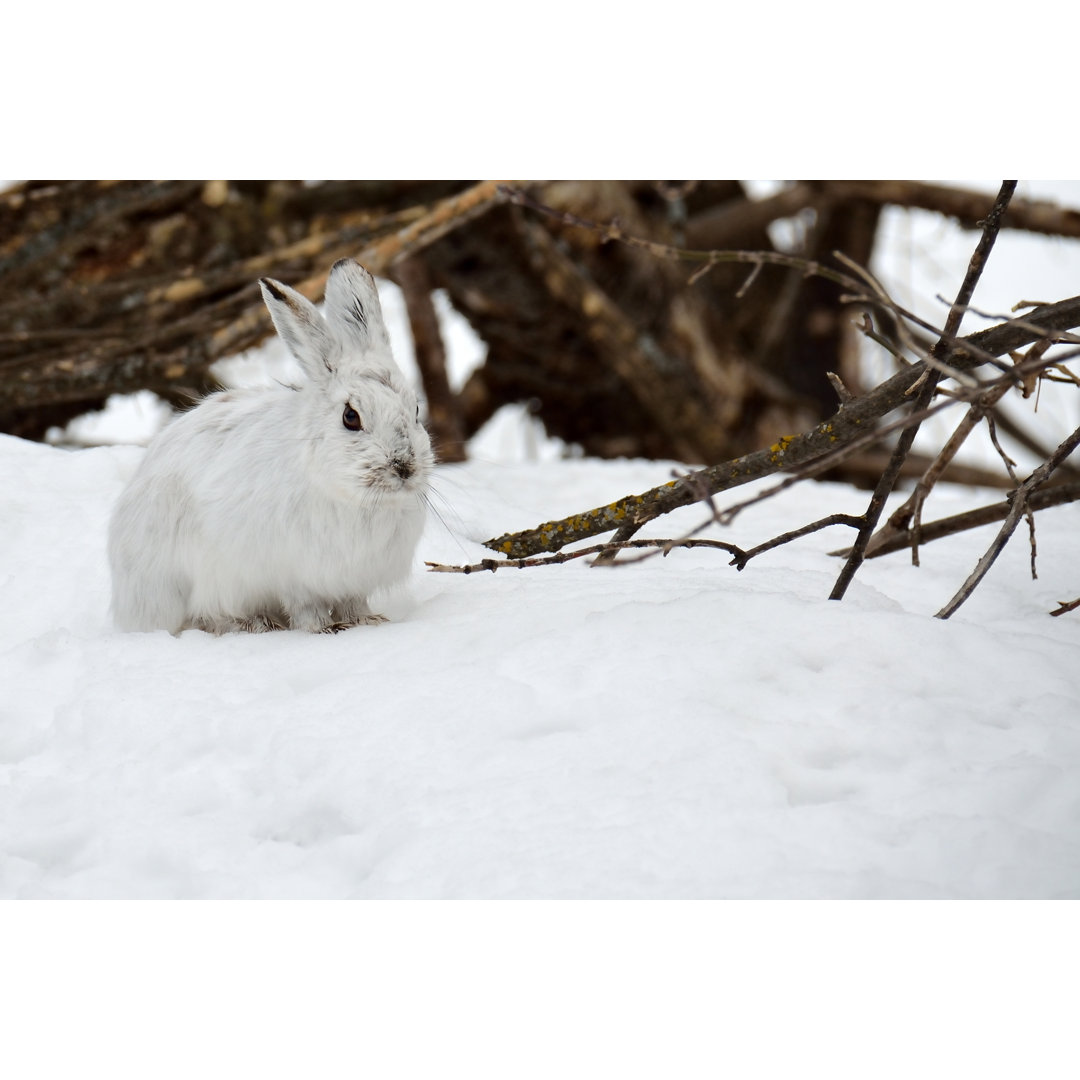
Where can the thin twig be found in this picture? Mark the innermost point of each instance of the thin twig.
(740, 556)
(795, 534)
(843, 394)
(907, 341)
(866, 328)
(907, 518)
(751, 278)
(1064, 606)
(888, 478)
(1010, 468)
(1017, 510)
(595, 549)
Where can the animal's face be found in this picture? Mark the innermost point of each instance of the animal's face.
(375, 444)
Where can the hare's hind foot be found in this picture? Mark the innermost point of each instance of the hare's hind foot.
(262, 623)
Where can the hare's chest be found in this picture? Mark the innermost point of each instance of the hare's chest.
(356, 551)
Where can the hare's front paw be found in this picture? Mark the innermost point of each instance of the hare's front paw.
(311, 618)
(370, 619)
(319, 620)
(356, 612)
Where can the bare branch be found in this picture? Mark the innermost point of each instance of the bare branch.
(1019, 500)
(795, 534)
(907, 437)
(850, 422)
(596, 549)
(966, 206)
(906, 519)
(607, 551)
(1044, 499)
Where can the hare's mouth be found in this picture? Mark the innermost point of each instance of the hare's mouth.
(400, 477)
(403, 468)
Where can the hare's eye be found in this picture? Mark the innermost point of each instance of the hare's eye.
(351, 419)
(418, 412)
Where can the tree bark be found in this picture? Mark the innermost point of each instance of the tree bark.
(444, 414)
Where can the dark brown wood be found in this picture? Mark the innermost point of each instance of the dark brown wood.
(611, 347)
(110, 288)
(444, 411)
(810, 331)
(967, 207)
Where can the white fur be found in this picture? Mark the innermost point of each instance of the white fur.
(261, 508)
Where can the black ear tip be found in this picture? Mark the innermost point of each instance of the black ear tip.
(272, 287)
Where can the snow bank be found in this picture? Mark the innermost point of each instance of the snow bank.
(674, 729)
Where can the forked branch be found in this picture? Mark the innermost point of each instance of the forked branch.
(927, 382)
(1019, 499)
(851, 421)
(856, 421)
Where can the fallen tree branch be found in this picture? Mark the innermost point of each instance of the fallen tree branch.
(966, 206)
(1043, 499)
(720, 225)
(444, 216)
(377, 257)
(845, 454)
(849, 422)
(183, 324)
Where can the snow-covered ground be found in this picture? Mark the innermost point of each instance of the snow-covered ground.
(670, 729)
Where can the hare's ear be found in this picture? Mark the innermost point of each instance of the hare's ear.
(353, 308)
(300, 325)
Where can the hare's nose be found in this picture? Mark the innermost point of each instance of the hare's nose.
(403, 468)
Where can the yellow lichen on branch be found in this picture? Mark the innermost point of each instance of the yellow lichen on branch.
(853, 420)
(554, 535)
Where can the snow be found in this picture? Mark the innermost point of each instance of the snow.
(670, 729)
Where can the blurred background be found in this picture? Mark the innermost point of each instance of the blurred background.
(531, 333)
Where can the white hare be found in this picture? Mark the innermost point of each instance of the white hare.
(282, 507)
